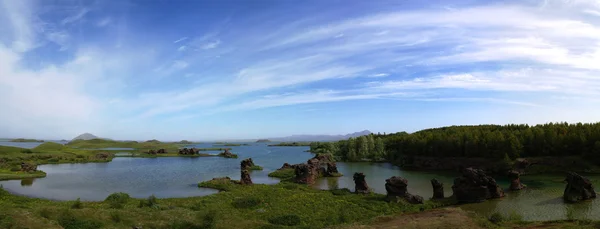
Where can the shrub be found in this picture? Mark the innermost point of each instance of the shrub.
(77, 204)
(151, 202)
(496, 218)
(209, 220)
(68, 221)
(116, 217)
(15, 169)
(286, 220)
(46, 213)
(28, 151)
(117, 199)
(53, 160)
(341, 192)
(79, 156)
(246, 202)
(514, 216)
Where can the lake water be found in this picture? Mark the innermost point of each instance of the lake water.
(179, 176)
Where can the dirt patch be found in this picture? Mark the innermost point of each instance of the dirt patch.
(439, 218)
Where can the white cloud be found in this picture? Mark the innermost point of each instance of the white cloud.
(376, 75)
(211, 45)
(75, 17)
(180, 40)
(49, 98)
(182, 48)
(20, 17)
(179, 65)
(60, 38)
(104, 22)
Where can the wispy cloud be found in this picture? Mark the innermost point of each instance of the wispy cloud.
(104, 22)
(516, 53)
(75, 17)
(211, 45)
(180, 40)
(377, 75)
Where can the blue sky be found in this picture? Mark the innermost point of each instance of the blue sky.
(206, 70)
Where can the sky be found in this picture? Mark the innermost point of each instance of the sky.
(206, 70)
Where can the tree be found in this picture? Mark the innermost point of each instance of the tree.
(352, 154)
(379, 148)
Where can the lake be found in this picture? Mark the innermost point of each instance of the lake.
(179, 176)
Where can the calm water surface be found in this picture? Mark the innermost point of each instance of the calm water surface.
(178, 177)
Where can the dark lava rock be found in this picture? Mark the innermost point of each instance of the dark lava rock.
(438, 189)
(515, 180)
(306, 173)
(161, 151)
(578, 188)
(360, 184)
(246, 164)
(331, 168)
(227, 154)
(396, 187)
(151, 152)
(102, 155)
(28, 167)
(245, 177)
(186, 151)
(475, 186)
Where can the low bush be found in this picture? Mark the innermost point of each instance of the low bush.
(151, 202)
(77, 204)
(46, 213)
(117, 199)
(69, 221)
(116, 217)
(496, 218)
(15, 169)
(28, 151)
(246, 202)
(285, 220)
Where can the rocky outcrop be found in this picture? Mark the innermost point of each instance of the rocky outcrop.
(360, 184)
(475, 186)
(227, 154)
(246, 164)
(331, 169)
(159, 151)
(186, 151)
(396, 188)
(288, 166)
(578, 188)
(306, 173)
(102, 156)
(323, 158)
(245, 177)
(438, 189)
(28, 167)
(515, 180)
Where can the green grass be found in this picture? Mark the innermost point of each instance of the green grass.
(256, 167)
(25, 140)
(242, 206)
(283, 174)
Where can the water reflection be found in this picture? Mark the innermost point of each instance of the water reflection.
(27, 181)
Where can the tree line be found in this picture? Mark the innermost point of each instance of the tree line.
(487, 141)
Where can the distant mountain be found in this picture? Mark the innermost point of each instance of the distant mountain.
(319, 138)
(85, 136)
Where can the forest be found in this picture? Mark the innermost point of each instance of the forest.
(487, 141)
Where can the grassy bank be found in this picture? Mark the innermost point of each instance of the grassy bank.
(83, 151)
(46, 153)
(291, 144)
(254, 206)
(25, 140)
